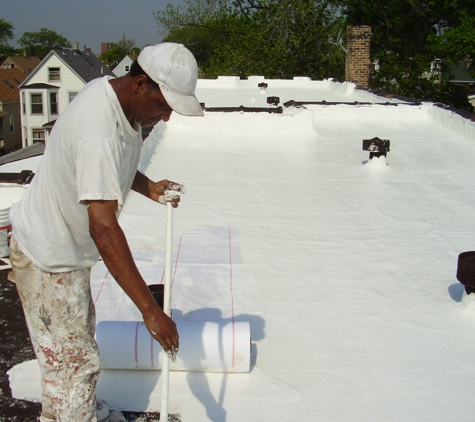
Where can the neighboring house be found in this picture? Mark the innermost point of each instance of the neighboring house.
(124, 66)
(10, 121)
(24, 63)
(54, 83)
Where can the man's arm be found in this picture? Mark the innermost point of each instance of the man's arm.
(114, 249)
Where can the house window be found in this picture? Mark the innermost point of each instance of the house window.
(72, 95)
(53, 100)
(127, 67)
(23, 102)
(54, 74)
(12, 124)
(36, 104)
(38, 136)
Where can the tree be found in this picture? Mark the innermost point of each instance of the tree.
(410, 37)
(40, 43)
(117, 51)
(6, 34)
(276, 39)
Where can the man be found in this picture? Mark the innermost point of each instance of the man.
(68, 218)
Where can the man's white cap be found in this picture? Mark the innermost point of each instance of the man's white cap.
(173, 67)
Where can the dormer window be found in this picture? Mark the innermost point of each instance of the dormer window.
(54, 74)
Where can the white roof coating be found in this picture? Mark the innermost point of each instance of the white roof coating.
(344, 267)
(228, 91)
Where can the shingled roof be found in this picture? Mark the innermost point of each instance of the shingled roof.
(30, 151)
(10, 80)
(24, 63)
(86, 65)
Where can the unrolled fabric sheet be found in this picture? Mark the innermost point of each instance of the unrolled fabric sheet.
(204, 346)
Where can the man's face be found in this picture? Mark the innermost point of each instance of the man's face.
(150, 107)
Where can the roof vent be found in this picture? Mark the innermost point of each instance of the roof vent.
(466, 271)
(376, 147)
(273, 100)
(9, 83)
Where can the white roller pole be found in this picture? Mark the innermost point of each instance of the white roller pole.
(167, 310)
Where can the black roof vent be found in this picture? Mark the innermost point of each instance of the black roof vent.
(376, 147)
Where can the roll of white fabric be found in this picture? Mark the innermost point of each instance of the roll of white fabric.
(204, 346)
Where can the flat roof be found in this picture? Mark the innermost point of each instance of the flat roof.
(344, 267)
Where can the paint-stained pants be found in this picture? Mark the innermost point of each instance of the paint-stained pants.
(61, 320)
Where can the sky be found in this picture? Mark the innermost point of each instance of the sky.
(88, 22)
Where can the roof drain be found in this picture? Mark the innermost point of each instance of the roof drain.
(466, 271)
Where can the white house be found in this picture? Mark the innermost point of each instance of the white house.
(124, 66)
(53, 84)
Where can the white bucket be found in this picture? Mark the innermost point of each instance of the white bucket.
(5, 228)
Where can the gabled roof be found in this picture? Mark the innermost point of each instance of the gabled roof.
(127, 60)
(24, 63)
(9, 90)
(27, 152)
(84, 64)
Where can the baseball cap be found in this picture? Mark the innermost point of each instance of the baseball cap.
(173, 67)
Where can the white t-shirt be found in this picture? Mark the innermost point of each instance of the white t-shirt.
(92, 153)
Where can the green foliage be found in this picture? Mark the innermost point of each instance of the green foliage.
(276, 39)
(287, 38)
(6, 34)
(40, 43)
(117, 51)
(410, 36)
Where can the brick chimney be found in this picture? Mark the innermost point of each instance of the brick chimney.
(358, 42)
(104, 47)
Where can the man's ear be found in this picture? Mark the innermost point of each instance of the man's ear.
(140, 83)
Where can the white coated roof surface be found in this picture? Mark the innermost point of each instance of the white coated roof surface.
(344, 267)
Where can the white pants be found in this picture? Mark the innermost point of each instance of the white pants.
(60, 316)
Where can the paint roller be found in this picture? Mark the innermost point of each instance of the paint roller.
(204, 346)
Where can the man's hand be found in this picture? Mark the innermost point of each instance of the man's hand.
(162, 329)
(166, 191)
(161, 192)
